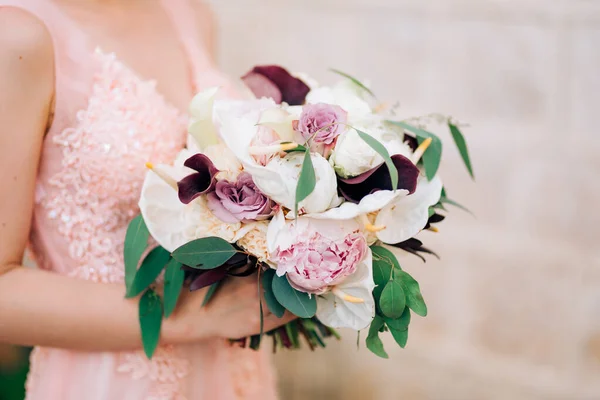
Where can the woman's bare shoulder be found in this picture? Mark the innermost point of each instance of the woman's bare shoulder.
(23, 33)
(26, 53)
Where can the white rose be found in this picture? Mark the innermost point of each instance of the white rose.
(352, 156)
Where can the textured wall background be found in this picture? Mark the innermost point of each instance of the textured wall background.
(515, 302)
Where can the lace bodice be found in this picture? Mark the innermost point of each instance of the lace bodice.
(108, 123)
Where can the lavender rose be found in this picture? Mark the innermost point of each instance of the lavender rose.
(233, 202)
(323, 121)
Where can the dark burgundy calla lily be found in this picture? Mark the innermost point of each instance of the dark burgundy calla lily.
(200, 182)
(354, 189)
(277, 83)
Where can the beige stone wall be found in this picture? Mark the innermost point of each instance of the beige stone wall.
(515, 301)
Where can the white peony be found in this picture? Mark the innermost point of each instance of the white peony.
(288, 171)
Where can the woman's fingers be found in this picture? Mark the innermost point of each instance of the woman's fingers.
(271, 322)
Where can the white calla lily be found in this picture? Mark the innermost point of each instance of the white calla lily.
(280, 121)
(406, 216)
(201, 126)
(172, 223)
(350, 304)
(368, 204)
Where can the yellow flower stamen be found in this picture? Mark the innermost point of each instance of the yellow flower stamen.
(369, 226)
(271, 149)
(162, 175)
(347, 297)
(380, 108)
(421, 149)
(433, 229)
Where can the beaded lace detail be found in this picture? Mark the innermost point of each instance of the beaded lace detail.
(94, 195)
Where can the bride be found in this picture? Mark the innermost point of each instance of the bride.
(89, 91)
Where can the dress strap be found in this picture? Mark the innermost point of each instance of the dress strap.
(184, 19)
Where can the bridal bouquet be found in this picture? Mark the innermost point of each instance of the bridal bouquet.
(310, 187)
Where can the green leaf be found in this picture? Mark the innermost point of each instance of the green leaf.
(433, 154)
(401, 337)
(150, 314)
(459, 139)
(210, 293)
(401, 323)
(354, 80)
(298, 303)
(151, 267)
(383, 263)
(445, 200)
(382, 151)
(393, 300)
(373, 341)
(306, 181)
(431, 211)
(414, 299)
(205, 253)
(277, 309)
(174, 277)
(136, 241)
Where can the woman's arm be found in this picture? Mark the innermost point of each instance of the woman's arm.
(38, 307)
(42, 308)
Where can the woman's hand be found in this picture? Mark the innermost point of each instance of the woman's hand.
(232, 313)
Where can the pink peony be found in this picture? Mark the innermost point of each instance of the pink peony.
(321, 122)
(315, 256)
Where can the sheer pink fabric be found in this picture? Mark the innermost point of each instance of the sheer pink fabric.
(108, 122)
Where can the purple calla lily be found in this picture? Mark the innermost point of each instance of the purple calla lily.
(200, 182)
(378, 178)
(277, 83)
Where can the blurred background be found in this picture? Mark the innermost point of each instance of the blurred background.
(514, 303)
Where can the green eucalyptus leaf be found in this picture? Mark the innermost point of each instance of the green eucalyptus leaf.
(414, 298)
(393, 300)
(382, 151)
(298, 303)
(306, 181)
(151, 267)
(433, 154)
(136, 241)
(210, 293)
(401, 337)
(399, 324)
(459, 139)
(174, 277)
(354, 80)
(150, 316)
(206, 253)
(267, 281)
(445, 200)
(374, 343)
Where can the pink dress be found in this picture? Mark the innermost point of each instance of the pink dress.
(108, 122)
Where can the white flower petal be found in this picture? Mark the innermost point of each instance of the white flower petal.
(370, 203)
(337, 313)
(406, 216)
(201, 126)
(283, 188)
(280, 121)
